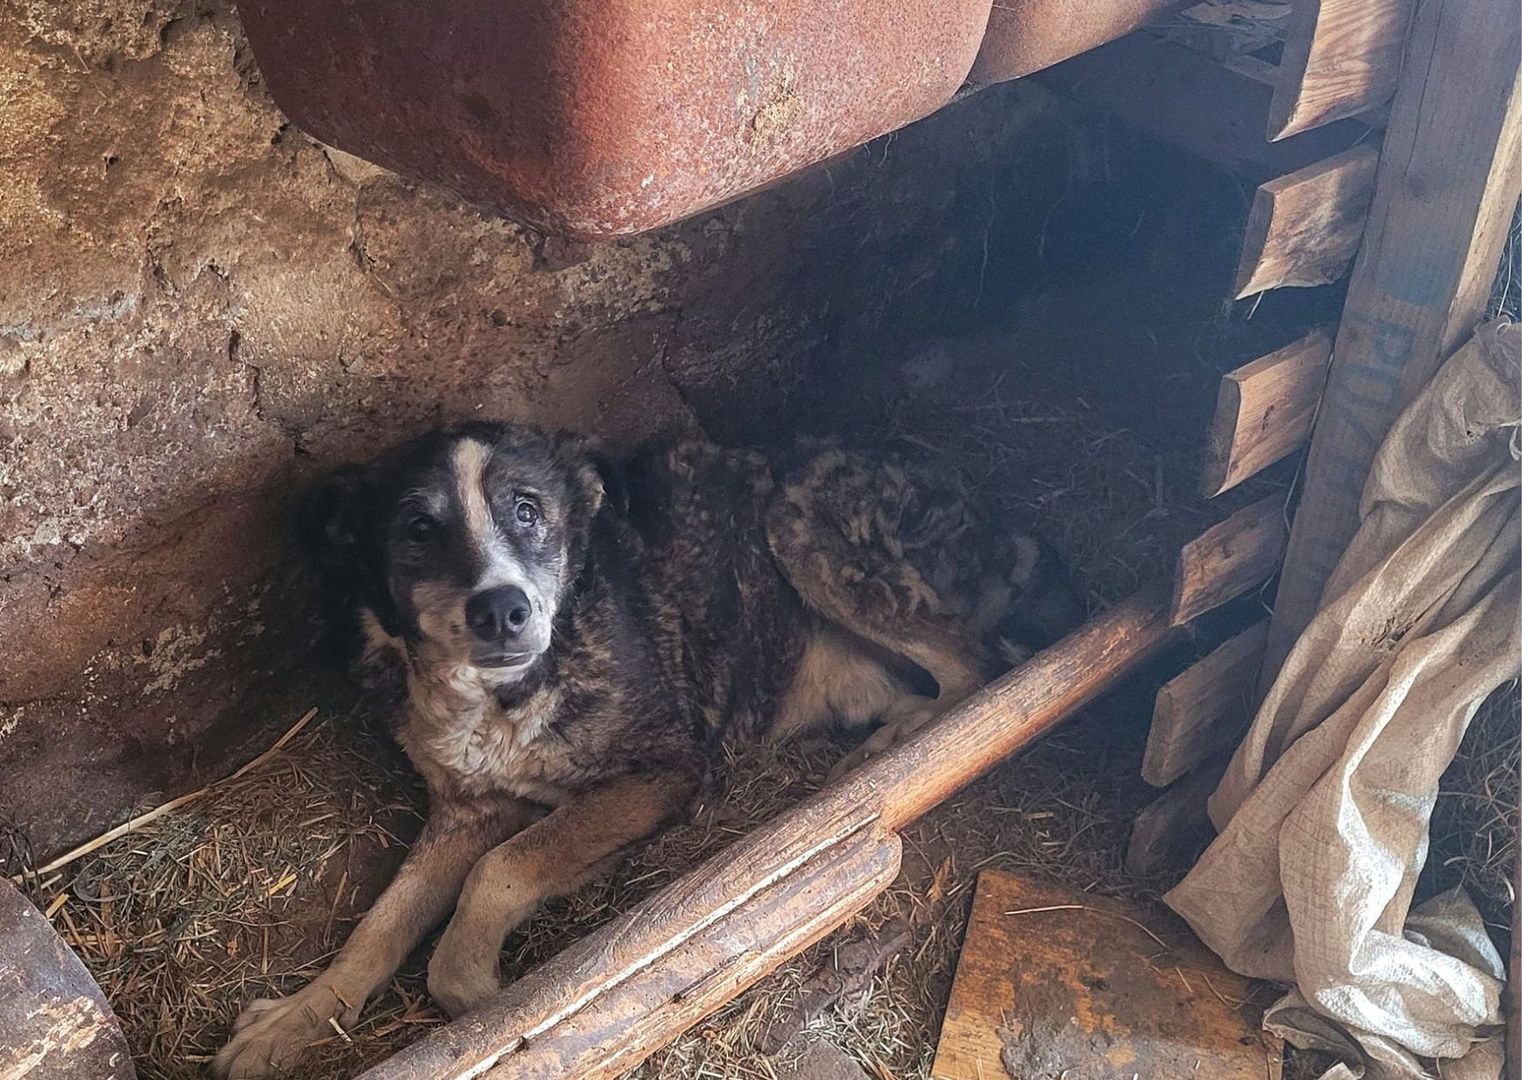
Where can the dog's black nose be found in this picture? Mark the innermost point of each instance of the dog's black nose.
(495, 614)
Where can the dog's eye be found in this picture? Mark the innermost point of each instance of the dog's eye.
(526, 512)
(421, 527)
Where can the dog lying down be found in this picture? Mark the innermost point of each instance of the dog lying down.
(579, 636)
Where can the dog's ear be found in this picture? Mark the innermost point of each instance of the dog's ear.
(337, 529)
(332, 516)
(596, 480)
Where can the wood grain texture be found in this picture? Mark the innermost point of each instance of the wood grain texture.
(1204, 709)
(1228, 559)
(1171, 830)
(1052, 982)
(1341, 58)
(685, 930)
(1304, 228)
(1444, 192)
(1264, 411)
(1183, 97)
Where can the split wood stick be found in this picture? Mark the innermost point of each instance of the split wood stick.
(1203, 709)
(557, 1013)
(1264, 411)
(1303, 229)
(1341, 58)
(1226, 561)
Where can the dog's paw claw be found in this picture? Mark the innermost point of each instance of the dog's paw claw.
(271, 1033)
(459, 988)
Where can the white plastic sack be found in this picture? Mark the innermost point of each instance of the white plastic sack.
(1323, 811)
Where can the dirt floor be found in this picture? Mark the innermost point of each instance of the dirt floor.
(1064, 414)
(247, 892)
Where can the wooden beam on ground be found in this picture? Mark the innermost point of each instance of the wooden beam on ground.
(1183, 97)
(1052, 982)
(1444, 193)
(608, 1001)
(1341, 58)
(1175, 827)
(1264, 411)
(1230, 559)
(1203, 710)
(1304, 228)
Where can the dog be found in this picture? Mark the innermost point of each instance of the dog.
(579, 635)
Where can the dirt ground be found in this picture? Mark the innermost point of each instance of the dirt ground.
(248, 892)
(1078, 410)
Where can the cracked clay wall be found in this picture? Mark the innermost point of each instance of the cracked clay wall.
(201, 308)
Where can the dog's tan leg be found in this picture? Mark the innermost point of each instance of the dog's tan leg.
(271, 1033)
(549, 858)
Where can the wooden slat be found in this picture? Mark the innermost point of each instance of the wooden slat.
(1204, 709)
(1444, 193)
(1176, 94)
(1052, 982)
(1304, 228)
(1174, 827)
(1341, 58)
(1264, 411)
(1226, 561)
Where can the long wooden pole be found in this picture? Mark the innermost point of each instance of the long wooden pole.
(627, 989)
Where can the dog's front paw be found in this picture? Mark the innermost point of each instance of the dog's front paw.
(272, 1033)
(459, 980)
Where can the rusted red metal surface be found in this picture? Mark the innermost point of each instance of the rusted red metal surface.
(1023, 38)
(54, 1021)
(597, 118)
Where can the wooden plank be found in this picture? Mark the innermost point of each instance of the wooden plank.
(1341, 58)
(1227, 560)
(625, 990)
(1204, 709)
(1176, 94)
(1264, 411)
(1054, 982)
(1171, 830)
(1444, 192)
(1304, 228)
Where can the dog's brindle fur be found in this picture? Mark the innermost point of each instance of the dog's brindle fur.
(680, 597)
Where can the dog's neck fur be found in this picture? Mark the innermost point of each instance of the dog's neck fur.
(465, 729)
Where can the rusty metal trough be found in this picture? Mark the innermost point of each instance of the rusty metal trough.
(598, 118)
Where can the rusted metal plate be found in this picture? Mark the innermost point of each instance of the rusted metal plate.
(605, 117)
(54, 1021)
(1026, 37)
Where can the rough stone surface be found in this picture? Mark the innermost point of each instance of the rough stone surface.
(201, 308)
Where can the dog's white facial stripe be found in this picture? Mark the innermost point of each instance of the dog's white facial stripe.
(471, 460)
(499, 567)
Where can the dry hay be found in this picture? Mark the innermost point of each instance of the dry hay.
(243, 893)
(1476, 821)
(247, 892)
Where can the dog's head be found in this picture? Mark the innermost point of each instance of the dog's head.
(461, 545)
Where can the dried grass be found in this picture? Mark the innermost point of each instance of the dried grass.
(247, 892)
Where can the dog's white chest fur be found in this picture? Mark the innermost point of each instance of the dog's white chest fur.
(462, 741)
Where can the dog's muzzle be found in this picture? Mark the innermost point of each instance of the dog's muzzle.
(497, 618)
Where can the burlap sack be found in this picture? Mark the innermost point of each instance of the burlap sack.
(1324, 809)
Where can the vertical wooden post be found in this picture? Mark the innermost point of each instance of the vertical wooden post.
(1444, 193)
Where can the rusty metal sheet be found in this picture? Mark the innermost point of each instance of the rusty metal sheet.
(54, 1021)
(1027, 37)
(598, 118)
